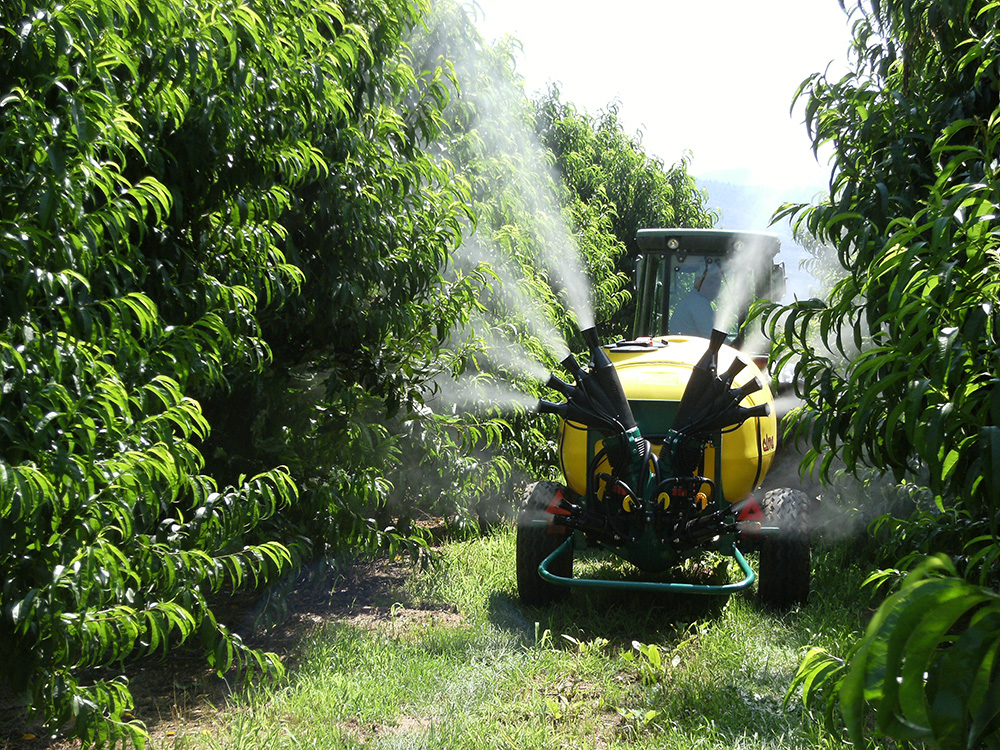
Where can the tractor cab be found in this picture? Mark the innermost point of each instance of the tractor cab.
(676, 266)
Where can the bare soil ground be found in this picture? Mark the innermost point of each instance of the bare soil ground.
(181, 696)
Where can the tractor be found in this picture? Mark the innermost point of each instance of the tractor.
(665, 437)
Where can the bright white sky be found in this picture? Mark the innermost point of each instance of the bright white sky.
(713, 77)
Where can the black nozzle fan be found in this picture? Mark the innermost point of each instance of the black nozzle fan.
(562, 386)
(734, 370)
(570, 363)
(571, 411)
(751, 386)
(702, 385)
(608, 386)
(598, 399)
(709, 404)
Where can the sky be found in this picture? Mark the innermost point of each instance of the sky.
(715, 78)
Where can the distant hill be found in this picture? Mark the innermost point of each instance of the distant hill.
(751, 207)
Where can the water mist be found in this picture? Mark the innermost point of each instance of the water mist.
(508, 297)
(478, 394)
(741, 270)
(532, 226)
(520, 237)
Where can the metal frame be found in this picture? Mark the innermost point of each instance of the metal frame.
(729, 549)
(666, 586)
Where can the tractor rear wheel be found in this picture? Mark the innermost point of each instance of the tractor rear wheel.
(784, 557)
(535, 543)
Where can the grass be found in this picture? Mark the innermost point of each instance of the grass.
(602, 670)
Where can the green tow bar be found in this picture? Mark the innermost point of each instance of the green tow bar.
(681, 588)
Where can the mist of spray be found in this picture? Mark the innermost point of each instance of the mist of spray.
(509, 355)
(479, 394)
(534, 232)
(510, 293)
(502, 356)
(755, 343)
(738, 290)
(561, 256)
(528, 183)
(786, 402)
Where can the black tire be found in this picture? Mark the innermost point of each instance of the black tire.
(783, 579)
(535, 543)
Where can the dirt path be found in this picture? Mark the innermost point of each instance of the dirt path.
(182, 696)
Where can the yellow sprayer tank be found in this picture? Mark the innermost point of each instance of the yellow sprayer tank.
(654, 378)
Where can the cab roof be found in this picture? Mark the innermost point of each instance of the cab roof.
(719, 242)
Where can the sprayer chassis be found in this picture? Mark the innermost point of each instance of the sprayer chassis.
(646, 499)
(652, 554)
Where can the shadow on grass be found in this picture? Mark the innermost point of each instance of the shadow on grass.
(730, 711)
(618, 615)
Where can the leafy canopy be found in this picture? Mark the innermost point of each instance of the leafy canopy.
(905, 377)
(905, 373)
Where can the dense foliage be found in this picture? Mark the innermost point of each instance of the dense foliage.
(244, 249)
(169, 173)
(604, 166)
(906, 379)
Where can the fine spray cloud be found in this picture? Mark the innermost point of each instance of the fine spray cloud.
(521, 238)
(738, 291)
(507, 299)
(529, 223)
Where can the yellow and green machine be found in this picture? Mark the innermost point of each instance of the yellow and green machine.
(664, 441)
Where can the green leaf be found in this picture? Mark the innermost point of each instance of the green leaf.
(990, 440)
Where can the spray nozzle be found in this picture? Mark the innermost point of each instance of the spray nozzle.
(733, 371)
(717, 339)
(548, 407)
(570, 363)
(760, 410)
(562, 386)
(570, 411)
(590, 336)
(746, 389)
